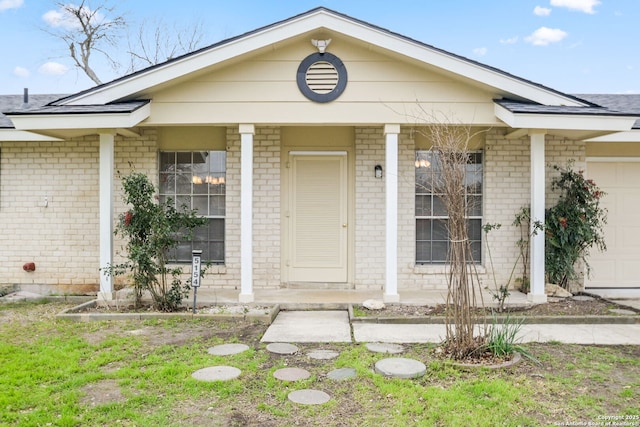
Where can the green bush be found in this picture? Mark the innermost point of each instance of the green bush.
(152, 229)
(573, 226)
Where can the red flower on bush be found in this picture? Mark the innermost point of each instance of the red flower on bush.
(563, 221)
(127, 219)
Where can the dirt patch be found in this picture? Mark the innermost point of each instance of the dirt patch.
(224, 309)
(102, 393)
(555, 307)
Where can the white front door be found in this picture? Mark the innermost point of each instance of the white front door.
(318, 228)
(617, 267)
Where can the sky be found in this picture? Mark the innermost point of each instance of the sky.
(574, 46)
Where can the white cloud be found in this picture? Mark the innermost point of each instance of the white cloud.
(541, 11)
(510, 40)
(61, 18)
(57, 18)
(21, 72)
(544, 36)
(53, 68)
(585, 6)
(10, 4)
(480, 51)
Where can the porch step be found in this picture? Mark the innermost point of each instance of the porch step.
(318, 286)
(309, 326)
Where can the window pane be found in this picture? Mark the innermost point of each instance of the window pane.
(199, 184)
(423, 252)
(439, 208)
(200, 205)
(440, 230)
(476, 251)
(474, 205)
(216, 205)
(183, 161)
(167, 162)
(423, 229)
(423, 205)
(183, 202)
(182, 252)
(475, 229)
(439, 252)
(167, 183)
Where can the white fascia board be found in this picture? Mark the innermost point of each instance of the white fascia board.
(20, 136)
(628, 136)
(195, 62)
(564, 121)
(303, 24)
(82, 121)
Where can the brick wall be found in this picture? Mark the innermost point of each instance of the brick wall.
(62, 238)
(266, 208)
(369, 209)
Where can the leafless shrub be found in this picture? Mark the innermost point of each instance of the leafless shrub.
(450, 142)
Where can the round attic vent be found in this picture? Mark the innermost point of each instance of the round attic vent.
(322, 77)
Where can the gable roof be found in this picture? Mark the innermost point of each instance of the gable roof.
(519, 103)
(139, 83)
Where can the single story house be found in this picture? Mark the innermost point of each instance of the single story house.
(303, 143)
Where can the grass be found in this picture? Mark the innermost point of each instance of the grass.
(132, 373)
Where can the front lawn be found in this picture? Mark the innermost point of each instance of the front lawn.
(139, 374)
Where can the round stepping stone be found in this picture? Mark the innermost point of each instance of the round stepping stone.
(342, 374)
(583, 298)
(217, 373)
(282, 348)
(622, 311)
(291, 374)
(309, 397)
(398, 367)
(227, 349)
(323, 354)
(379, 347)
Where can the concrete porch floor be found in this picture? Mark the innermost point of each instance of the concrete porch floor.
(296, 299)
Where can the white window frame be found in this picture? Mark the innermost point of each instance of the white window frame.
(437, 214)
(214, 181)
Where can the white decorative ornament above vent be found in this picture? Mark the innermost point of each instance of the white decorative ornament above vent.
(321, 44)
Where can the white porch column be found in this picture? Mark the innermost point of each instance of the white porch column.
(391, 191)
(106, 211)
(246, 213)
(537, 280)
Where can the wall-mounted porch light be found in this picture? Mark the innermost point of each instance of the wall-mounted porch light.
(378, 171)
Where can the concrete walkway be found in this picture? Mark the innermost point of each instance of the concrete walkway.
(309, 326)
(334, 326)
(567, 334)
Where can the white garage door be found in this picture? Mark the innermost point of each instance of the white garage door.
(619, 266)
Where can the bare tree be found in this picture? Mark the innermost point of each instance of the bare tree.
(450, 142)
(96, 27)
(157, 42)
(86, 30)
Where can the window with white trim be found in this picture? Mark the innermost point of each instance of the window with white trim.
(197, 180)
(432, 234)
